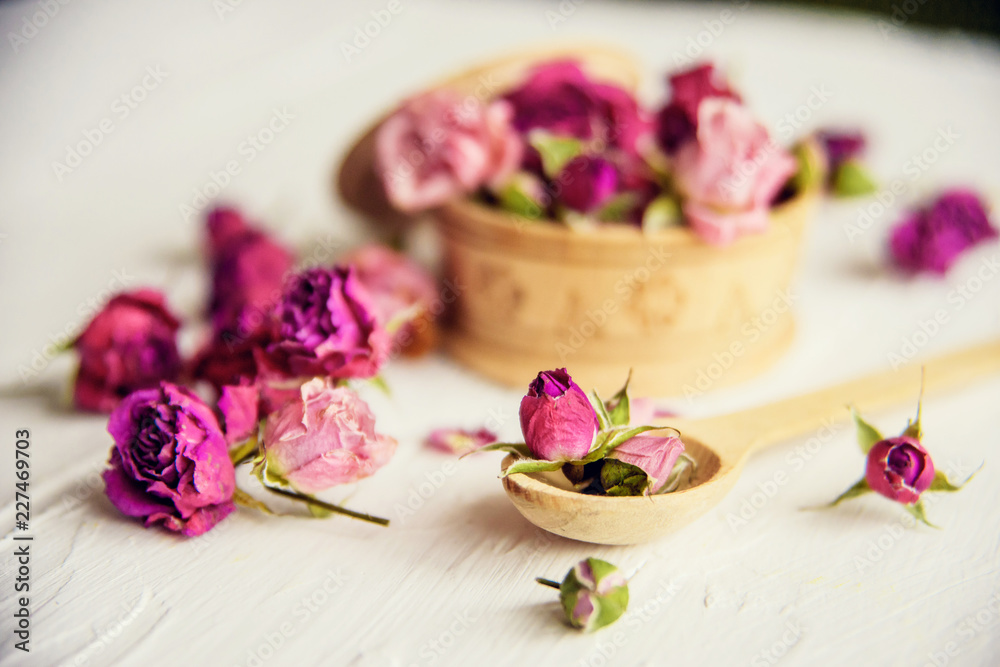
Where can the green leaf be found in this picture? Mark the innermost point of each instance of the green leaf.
(852, 180)
(661, 213)
(603, 418)
(617, 208)
(518, 448)
(623, 479)
(868, 435)
(917, 510)
(379, 383)
(618, 405)
(528, 466)
(860, 488)
(516, 196)
(942, 484)
(554, 150)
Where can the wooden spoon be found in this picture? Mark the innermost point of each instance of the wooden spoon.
(722, 444)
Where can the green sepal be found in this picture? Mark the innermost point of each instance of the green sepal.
(623, 479)
(941, 483)
(555, 150)
(616, 208)
(244, 452)
(379, 383)
(682, 473)
(868, 435)
(661, 213)
(851, 179)
(860, 488)
(810, 172)
(528, 466)
(623, 435)
(618, 405)
(515, 197)
(243, 498)
(913, 428)
(518, 448)
(603, 418)
(917, 510)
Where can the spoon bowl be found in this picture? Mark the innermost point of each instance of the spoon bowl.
(721, 445)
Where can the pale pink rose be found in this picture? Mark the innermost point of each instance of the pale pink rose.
(324, 438)
(654, 455)
(730, 173)
(439, 146)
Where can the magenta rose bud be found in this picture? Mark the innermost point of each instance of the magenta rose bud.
(932, 239)
(131, 344)
(678, 120)
(326, 325)
(560, 98)
(248, 270)
(169, 464)
(439, 146)
(557, 420)
(900, 469)
(324, 438)
(586, 183)
(841, 145)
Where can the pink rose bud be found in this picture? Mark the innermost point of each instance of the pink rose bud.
(324, 438)
(131, 344)
(593, 594)
(677, 121)
(654, 455)
(439, 146)
(730, 173)
(900, 469)
(557, 420)
(586, 183)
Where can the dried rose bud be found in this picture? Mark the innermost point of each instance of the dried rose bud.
(593, 594)
(557, 420)
(900, 469)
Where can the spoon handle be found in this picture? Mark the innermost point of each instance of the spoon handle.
(741, 433)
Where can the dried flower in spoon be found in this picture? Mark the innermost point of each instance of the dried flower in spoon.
(594, 442)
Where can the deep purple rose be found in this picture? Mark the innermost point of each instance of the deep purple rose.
(560, 98)
(931, 239)
(557, 420)
(169, 464)
(677, 122)
(900, 469)
(586, 183)
(248, 270)
(841, 145)
(326, 325)
(131, 344)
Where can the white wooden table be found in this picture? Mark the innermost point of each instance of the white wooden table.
(450, 582)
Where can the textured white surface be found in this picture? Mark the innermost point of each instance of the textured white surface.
(451, 581)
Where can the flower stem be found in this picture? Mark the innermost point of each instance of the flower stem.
(549, 583)
(309, 500)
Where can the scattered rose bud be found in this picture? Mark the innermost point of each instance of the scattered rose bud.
(900, 469)
(594, 594)
(729, 175)
(438, 147)
(459, 441)
(325, 438)
(841, 145)
(169, 464)
(557, 420)
(325, 325)
(932, 239)
(130, 344)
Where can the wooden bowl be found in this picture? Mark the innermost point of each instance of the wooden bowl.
(684, 315)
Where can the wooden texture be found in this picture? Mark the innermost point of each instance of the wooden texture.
(720, 446)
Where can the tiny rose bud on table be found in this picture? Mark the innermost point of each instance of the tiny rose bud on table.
(594, 594)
